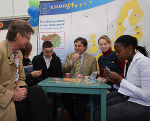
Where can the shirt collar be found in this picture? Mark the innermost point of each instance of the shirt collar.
(47, 58)
(82, 55)
(138, 55)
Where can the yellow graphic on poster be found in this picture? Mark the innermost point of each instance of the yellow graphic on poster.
(128, 22)
(93, 48)
(130, 15)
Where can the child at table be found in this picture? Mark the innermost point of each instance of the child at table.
(32, 77)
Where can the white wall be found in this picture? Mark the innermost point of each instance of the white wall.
(15, 9)
(9, 8)
(21, 7)
(34, 43)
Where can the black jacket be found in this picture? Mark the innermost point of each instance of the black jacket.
(55, 69)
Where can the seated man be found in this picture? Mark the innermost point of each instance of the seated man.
(50, 66)
(88, 62)
(48, 62)
(15, 99)
(78, 64)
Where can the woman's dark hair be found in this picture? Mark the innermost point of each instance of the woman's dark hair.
(27, 49)
(82, 40)
(127, 40)
(47, 44)
(20, 26)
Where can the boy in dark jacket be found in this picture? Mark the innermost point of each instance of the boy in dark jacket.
(50, 65)
(48, 62)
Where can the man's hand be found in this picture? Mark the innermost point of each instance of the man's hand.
(36, 74)
(20, 94)
(75, 57)
(79, 76)
(112, 76)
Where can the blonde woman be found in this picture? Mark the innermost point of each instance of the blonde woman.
(108, 59)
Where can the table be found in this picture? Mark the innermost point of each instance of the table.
(83, 86)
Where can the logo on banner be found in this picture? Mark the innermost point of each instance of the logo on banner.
(69, 6)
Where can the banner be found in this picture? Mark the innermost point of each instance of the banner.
(69, 6)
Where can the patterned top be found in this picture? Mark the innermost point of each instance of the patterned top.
(16, 58)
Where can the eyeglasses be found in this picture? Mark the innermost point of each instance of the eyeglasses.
(26, 37)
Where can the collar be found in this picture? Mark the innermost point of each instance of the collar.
(138, 55)
(47, 58)
(107, 53)
(9, 49)
(82, 55)
(10, 53)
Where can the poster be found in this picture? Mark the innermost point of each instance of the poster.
(67, 20)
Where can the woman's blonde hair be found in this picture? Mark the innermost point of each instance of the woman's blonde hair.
(106, 38)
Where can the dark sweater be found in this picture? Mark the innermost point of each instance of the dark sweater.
(110, 60)
(55, 69)
(28, 68)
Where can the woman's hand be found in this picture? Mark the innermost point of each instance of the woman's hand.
(112, 76)
(20, 94)
(36, 74)
(102, 79)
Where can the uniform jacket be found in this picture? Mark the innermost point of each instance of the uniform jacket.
(7, 77)
(89, 65)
